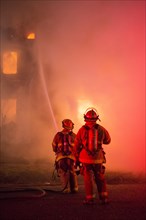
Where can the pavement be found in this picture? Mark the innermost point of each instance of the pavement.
(46, 202)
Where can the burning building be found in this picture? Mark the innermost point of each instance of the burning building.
(18, 68)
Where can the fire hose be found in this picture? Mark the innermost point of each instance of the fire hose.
(23, 188)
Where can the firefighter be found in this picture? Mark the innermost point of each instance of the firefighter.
(63, 146)
(89, 151)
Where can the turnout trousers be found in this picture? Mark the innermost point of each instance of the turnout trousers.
(94, 174)
(66, 171)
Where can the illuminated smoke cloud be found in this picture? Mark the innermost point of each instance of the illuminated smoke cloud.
(88, 53)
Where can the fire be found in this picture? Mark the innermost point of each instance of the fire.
(31, 36)
(10, 62)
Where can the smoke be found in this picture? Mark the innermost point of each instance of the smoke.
(90, 53)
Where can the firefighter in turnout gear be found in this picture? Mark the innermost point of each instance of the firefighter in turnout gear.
(63, 146)
(89, 151)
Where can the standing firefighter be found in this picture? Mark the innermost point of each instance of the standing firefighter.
(63, 144)
(89, 151)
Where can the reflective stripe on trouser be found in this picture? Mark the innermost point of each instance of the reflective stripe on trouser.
(93, 173)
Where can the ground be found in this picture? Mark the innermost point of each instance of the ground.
(127, 201)
(31, 198)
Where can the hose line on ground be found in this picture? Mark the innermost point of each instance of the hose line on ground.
(25, 188)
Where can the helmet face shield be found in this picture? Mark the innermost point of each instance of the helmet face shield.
(67, 124)
(91, 115)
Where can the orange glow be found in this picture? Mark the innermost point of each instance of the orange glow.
(88, 54)
(82, 106)
(10, 62)
(31, 36)
(8, 110)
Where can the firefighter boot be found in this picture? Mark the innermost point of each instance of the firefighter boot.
(103, 198)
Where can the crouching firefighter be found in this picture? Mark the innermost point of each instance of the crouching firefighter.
(63, 146)
(89, 151)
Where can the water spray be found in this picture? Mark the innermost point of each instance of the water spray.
(41, 71)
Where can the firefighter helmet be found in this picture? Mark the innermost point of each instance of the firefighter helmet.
(68, 124)
(91, 115)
